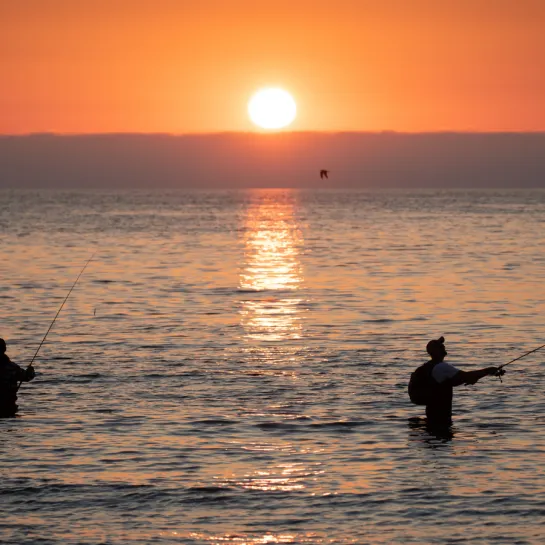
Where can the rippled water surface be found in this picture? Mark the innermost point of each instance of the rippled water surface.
(232, 367)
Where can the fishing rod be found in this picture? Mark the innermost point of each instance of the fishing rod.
(523, 356)
(500, 371)
(56, 315)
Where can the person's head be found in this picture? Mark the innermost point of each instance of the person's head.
(436, 349)
(2, 346)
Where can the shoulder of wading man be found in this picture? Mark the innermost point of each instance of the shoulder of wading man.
(443, 372)
(428, 378)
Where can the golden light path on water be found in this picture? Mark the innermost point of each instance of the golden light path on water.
(272, 244)
(272, 275)
(260, 540)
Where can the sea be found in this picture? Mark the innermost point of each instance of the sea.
(231, 367)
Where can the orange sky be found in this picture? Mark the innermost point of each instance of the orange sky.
(186, 66)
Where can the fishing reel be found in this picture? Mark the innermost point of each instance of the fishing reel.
(499, 373)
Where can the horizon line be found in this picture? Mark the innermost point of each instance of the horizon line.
(272, 133)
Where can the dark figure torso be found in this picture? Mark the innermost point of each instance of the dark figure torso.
(439, 409)
(10, 376)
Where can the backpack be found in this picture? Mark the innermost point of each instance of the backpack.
(421, 384)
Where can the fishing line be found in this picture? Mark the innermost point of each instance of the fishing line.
(58, 312)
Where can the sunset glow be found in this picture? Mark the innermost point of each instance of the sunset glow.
(256, 258)
(272, 108)
(182, 67)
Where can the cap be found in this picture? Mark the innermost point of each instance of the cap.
(432, 346)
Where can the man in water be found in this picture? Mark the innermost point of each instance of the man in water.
(10, 377)
(443, 379)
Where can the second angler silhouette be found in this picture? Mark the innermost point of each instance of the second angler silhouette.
(433, 382)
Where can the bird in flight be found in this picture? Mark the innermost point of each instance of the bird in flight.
(323, 174)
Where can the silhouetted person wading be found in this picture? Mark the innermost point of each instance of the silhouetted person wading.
(432, 383)
(10, 377)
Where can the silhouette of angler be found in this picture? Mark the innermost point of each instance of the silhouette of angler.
(324, 174)
(10, 376)
(432, 383)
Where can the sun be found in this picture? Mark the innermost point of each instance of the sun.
(272, 108)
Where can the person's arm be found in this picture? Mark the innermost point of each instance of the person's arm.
(25, 375)
(29, 374)
(471, 377)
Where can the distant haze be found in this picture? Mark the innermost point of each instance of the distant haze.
(238, 160)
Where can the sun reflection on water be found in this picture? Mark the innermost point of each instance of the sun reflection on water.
(286, 477)
(262, 539)
(272, 273)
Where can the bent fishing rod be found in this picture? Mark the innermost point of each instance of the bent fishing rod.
(56, 315)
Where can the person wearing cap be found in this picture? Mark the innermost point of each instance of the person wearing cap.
(10, 377)
(444, 377)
